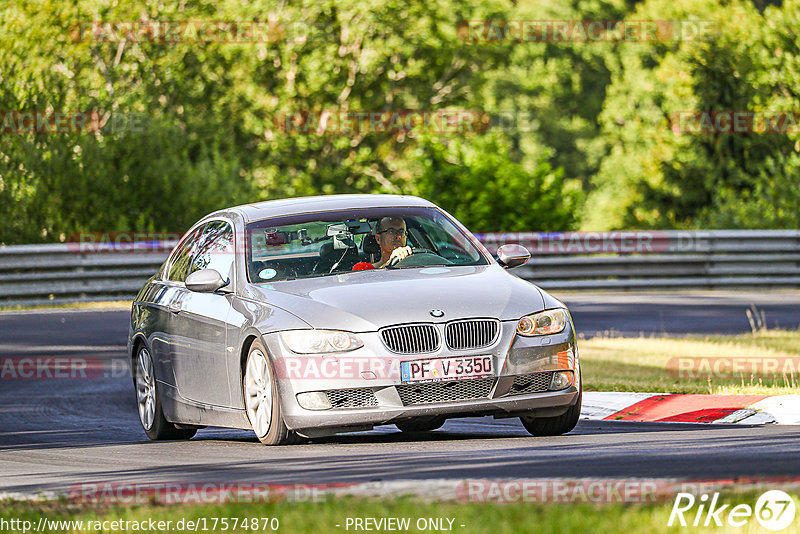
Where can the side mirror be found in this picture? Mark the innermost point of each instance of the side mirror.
(206, 281)
(510, 256)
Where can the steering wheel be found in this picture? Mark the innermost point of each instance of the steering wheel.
(421, 257)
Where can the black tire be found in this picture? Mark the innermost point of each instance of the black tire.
(421, 424)
(273, 431)
(148, 390)
(554, 426)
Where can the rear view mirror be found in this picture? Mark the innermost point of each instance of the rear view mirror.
(275, 238)
(342, 236)
(510, 256)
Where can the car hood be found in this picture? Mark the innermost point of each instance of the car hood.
(365, 301)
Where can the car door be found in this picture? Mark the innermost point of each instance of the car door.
(167, 302)
(201, 359)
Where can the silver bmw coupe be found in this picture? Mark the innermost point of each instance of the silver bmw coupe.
(307, 317)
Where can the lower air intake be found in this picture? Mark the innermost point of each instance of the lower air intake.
(531, 383)
(457, 390)
(352, 398)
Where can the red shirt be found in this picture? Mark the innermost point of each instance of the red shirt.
(363, 266)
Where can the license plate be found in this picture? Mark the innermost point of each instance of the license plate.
(446, 368)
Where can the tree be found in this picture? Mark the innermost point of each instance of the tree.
(656, 175)
(475, 181)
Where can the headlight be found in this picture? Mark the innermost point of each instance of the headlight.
(543, 323)
(319, 341)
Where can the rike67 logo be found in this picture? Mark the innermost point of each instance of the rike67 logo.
(774, 510)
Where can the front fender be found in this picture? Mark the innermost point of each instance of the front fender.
(252, 320)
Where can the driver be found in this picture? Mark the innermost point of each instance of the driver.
(390, 233)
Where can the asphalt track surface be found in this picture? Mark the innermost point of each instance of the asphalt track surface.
(55, 433)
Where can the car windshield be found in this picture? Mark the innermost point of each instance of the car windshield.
(321, 244)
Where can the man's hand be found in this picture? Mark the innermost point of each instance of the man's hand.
(399, 254)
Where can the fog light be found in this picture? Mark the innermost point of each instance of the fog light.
(314, 400)
(561, 380)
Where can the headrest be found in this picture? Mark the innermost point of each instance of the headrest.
(370, 245)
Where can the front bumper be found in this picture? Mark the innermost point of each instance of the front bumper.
(366, 388)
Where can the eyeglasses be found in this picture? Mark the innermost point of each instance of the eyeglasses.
(399, 232)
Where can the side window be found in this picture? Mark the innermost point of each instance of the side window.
(181, 261)
(215, 249)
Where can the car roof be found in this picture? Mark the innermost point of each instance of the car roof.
(295, 206)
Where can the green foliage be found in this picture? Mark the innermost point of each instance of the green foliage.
(598, 151)
(474, 180)
(655, 176)
(164, 157)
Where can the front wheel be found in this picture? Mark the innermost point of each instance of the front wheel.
(261, 399)
(148, 400)
(554, 426)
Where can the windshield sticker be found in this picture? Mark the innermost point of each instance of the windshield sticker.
(267, 274)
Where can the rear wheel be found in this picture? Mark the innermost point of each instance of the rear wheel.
(421, 424)
(261, 400)
(148, 401)
(554, 426)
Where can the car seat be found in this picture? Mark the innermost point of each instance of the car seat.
(370, 247)
(328, 256)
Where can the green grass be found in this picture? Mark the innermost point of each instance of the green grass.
(322, 517)
(651, 364)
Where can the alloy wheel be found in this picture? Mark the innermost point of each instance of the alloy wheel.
(258, 392)
(145, 389)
